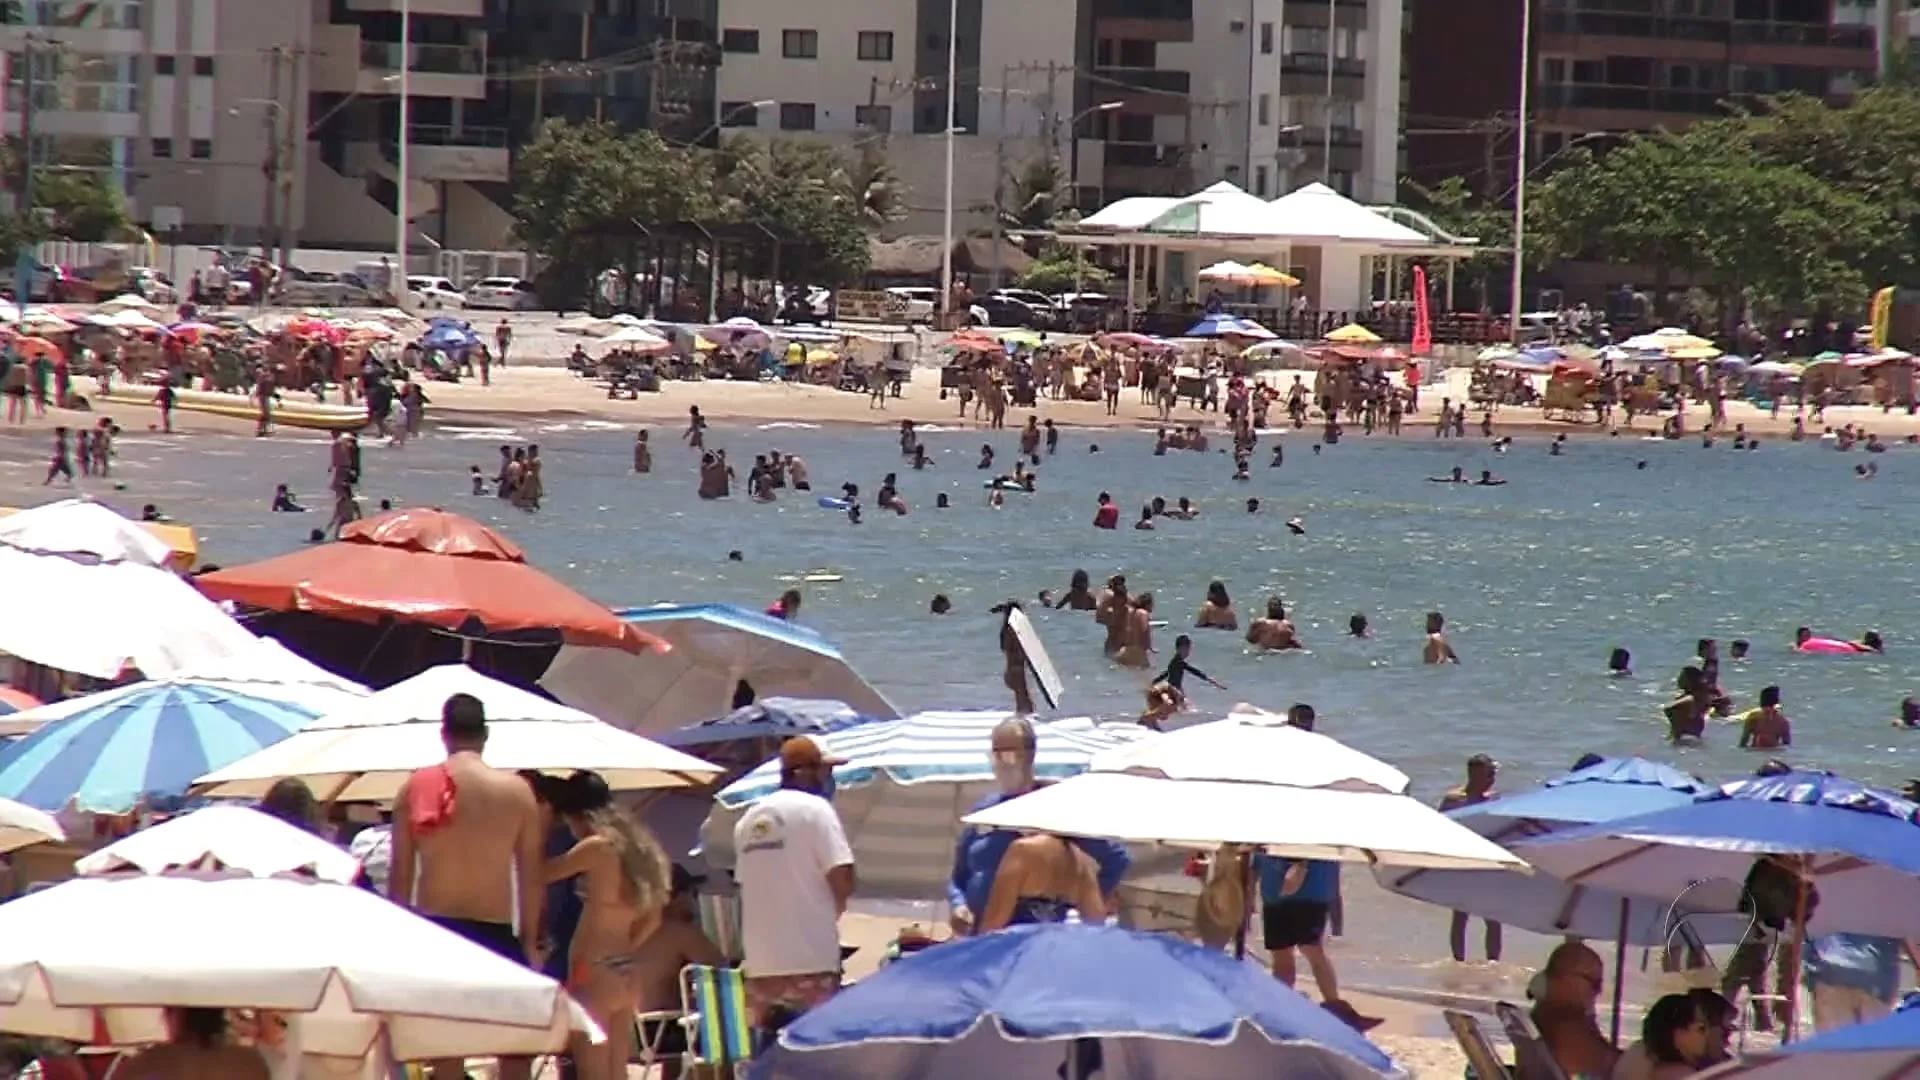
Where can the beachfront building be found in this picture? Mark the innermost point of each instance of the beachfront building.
(1346, 255)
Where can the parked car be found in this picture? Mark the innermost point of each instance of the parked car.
(324, 289)
(914, 303)
(501, 293)
(153, 285)
(1033, 297)
(1003, 310)
(433, 292)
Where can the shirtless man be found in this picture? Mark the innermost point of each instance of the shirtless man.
(1137, 645)
(1274, 632)
(1564, 1012)
(656, 970)
(642, 453)
(475, 833)
(1111, 612)
(1481, 773)
(1437, 650)
(1766, 727)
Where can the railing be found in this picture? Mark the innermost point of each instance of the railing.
(1810, 34)
(1171, 10)
(445, 135)
(1695, 28)
(1175, 82)
(1639, 98)
(427, 59)
(1315, 63)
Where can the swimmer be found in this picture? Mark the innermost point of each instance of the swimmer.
(1909, 714)
(1079, 596)
(642, 453)
(1740, 647)
(1107, 514)
(736, 556)
(1137, 644)
(1217, 613)
(920, 458)
(1296, 527)
(1487, 479)
(986, 457)
(1110, 611)
(1240, 467)
(1253, 506)
(1640, 465)
(761, 485)
(940, 501)
(1163, 702)
(1178, 668)
(853, 513)
(316, 536)
(1275, 632)
(1185, 511)
(1458, 476)
(1357, 626)
(1053, 436)
(477, 479)
(284, 503)
(1146, 518)
(797, 473)
(1279, 456)
(888, 497)
(941, 605)
(996, 499)
(1438, 650)
(1620, 664)
(1687, 714)
(1093, 448)
(150, 512)
(1871, 642)
(1766, 727)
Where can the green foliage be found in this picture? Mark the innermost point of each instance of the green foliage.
(589, 193)
(1032, 195)
(1058, 268)
(83, 206)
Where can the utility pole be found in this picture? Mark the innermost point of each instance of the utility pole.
(291, 145)
(24, 261)
(270, 169)
(1000, 175)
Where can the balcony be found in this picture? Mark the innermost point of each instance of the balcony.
(460, 9)
(1633, 99)
(438, 152)
(1315, 63)
(434, 70)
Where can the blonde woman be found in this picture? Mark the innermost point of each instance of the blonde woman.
(623, 878)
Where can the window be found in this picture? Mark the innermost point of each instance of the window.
(800, 44)
(796, 115)
(163, 148)
(202, 149)
(876, 45)
(1308, 39)
(203, 66)
(1266, 38)
(873, 117)
(1265, 109)
(163, 65)
(739, 114)
(740, 41)
(1554, 69)
(1260, 180)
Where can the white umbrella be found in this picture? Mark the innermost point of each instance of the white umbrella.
(1226, 270)
(100, 618)
(636, 339)
(356, 970)
(129, 319)
(23, 826)
(1296, 822)
(131, 300)
(1253, 747)
(83, 527)
(45, 322)
(364, 752)
(234, 838)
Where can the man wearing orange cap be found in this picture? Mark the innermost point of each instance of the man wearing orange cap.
(795, 872)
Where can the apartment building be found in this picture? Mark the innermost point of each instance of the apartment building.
(1602, 66)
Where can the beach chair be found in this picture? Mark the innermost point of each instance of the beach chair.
(1531, 1059)
(713, 1010)
(1479, 1050)
(650, 1037)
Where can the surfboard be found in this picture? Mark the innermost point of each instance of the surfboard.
(1038, 662)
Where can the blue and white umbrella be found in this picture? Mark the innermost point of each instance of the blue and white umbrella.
(905, 785)
(769, 718)
(1075, 1001)
(1220, 324)
(716, 647)
(148, 744)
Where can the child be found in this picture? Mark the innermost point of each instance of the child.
(62, 463)
(84, 451)
(479, 481)
(103, 447)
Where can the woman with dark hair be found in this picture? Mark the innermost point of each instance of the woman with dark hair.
(1675, 1034)
(624, 884)
(1217, 613)
(292, 801)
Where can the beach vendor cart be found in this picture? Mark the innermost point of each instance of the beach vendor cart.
(1573, 394)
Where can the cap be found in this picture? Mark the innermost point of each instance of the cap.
(801, 752)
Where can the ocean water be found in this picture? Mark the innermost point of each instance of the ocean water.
(1538, 578)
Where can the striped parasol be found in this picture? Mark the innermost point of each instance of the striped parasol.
(150, 744)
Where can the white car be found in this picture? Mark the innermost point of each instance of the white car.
(913, 303)
(503, 293)
(433, 292)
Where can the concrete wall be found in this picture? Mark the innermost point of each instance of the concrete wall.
(835, 82)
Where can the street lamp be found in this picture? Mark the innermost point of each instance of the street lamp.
(274, 116)
(1073, 136)
(399, 277)
(946, 210)
(724, 115)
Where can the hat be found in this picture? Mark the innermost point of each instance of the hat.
(801, 752)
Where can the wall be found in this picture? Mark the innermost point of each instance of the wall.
(838, 80)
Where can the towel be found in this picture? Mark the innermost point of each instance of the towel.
(430, 799)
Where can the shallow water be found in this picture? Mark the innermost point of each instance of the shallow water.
(1538, 579)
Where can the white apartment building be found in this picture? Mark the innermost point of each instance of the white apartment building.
(877, 72)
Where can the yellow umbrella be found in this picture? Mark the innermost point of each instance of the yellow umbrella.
(1354, 334)
(1267, 275)
(822, 357)
(1694, 352)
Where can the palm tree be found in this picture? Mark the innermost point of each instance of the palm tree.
(1033, 195)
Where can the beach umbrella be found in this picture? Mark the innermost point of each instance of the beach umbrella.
(356, 972)
(236, 838)
(365, 751)
(144, 746)
(1138, 341)
(1774, 367)
(1072, 1000)
(712, 649)
(193, 329)
(905, 785)
(1353, 334)
(1221, 324)
(44, 322)
(35, 347)
(769, 718)
(1884, 1049)
(13, 702)
(83, 527)
(1254, 747)
(1665, 341)
(23, 826)
(449, 336)
(1262, 274)
(427, 567)
(1860, 846)
(131, 300)
(1502, 351)
(635, 339)
(99, 619)
(810, 334)
(129, 319)
(1025, 339)
(1228, 272)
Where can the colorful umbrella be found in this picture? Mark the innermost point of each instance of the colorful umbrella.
(1223, 325)
(13, 701)
(1354, 334)
(430, 567)
(149, 745)
(1267, 275)
(31, 347)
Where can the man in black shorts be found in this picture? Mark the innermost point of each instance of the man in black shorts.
(1295, 898)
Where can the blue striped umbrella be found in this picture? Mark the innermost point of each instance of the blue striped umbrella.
(151, 742)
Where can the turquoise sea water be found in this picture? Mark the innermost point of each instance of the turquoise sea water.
(1538, 578)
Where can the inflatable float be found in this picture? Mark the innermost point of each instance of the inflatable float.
(1007, 485)
(294, 414)
(1829, 646)
(828, 502)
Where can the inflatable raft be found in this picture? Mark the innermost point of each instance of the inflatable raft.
(293, 414)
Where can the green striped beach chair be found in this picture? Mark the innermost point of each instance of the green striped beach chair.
(713, 1006)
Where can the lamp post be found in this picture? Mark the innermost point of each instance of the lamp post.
(1514, 297)
(1326, 120)
(722, 116)
(399, 282)
(946, 210)
(1073, 152)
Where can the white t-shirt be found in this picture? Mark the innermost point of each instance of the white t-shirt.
(783, 847)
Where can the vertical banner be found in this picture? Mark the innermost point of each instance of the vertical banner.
(1422, 317)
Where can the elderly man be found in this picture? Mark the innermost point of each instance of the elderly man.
(976, 858)
(1565, 1010)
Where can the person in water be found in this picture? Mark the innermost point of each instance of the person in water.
(1014, 673)
(1766, 727)
(1217, 613)
(1137, 645)
(1079, 595)
(1457, 476)
(1275, 632)
(284, 502)
(1357, 626)
(1909, 713)
(1178, 669)
(1620, 664)
(1438, 650)
(1487, 479)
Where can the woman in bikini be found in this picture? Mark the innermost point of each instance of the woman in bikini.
(623, 882)
(1038, 880)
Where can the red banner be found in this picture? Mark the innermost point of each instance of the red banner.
(1422, 318)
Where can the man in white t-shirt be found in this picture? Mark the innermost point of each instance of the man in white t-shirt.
(795, 872)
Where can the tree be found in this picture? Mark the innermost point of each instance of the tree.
(1059, 267)
(1453, 205)
(82, 205)
(1033, 196)
(874, 187)
(817, 205)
